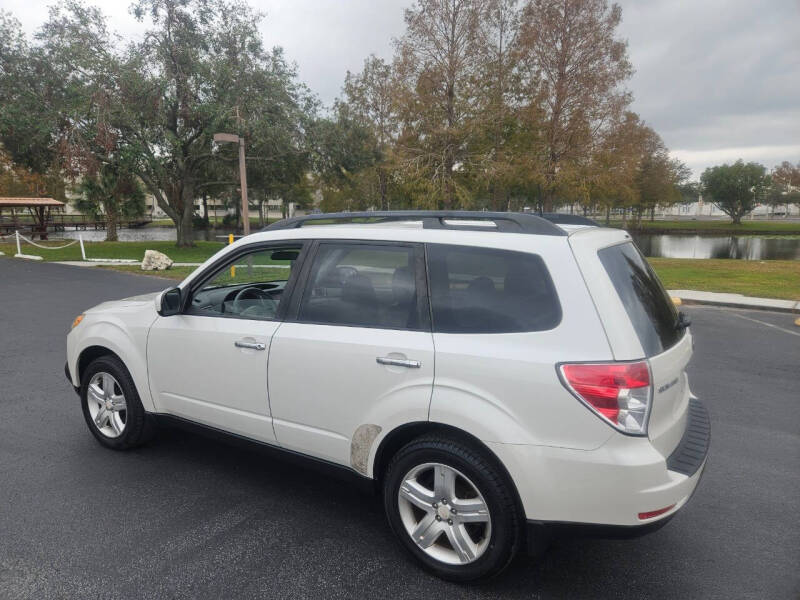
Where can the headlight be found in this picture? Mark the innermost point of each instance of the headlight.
(77, 321)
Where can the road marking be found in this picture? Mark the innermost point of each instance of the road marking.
(765, 323)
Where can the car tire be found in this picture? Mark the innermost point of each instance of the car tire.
(466, 546)
(107, 387)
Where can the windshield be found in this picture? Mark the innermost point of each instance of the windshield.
(650, 309)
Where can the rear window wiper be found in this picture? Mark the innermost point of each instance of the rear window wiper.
(682, 322)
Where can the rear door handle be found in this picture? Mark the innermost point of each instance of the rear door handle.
(250, 345)
(398, 362)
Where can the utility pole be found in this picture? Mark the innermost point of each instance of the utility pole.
(243, 184)
(235, 139)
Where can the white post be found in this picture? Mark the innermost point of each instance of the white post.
(18, 249)
(83, 252)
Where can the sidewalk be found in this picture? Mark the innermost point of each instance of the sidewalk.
(735, 300)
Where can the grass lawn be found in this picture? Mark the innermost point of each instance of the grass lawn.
(132, 250)
(760, 278)
(765, 279)
(777, 226)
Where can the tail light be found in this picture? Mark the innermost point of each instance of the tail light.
(619, 393)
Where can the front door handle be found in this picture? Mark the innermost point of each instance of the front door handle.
(250, 345)
(398, 362)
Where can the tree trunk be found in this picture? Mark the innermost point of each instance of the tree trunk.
(382, 184)
(183, 222)
(111, 223)
(608, 214)
(185, 231)
(205, 209)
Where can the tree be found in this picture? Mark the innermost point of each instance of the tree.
(113, 191)
(201, 69)
(499, 148)
(344, 151)
(658, 175)
(690, 192)
(370, 98)
(19, 181)
(735, 189)
(436, 62)
(571, 47)
(54, 114)
(785, 187)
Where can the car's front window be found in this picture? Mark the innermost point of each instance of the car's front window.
(251, 286)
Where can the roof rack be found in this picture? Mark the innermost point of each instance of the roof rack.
(566, 219)
(506, 222)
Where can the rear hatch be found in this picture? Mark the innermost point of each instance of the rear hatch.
(641, 322)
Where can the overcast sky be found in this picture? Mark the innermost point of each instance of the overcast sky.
(717, 79)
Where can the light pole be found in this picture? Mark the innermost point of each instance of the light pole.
(234, 139)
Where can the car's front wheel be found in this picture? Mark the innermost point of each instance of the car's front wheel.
(452, 509)
(111, 405)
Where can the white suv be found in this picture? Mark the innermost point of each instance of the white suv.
(499, 378)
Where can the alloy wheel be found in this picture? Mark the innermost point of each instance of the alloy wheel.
(106, 403)
(444, 513)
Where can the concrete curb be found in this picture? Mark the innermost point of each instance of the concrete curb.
(690, 297)
(108, 263)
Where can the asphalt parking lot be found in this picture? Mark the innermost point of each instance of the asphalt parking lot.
(190, 517)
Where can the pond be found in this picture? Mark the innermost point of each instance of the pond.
(142, 234)
(747, 247)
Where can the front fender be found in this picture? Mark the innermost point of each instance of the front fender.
(128, 342)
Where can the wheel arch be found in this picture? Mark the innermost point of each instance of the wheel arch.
(113, 341)
(91, 353)
(403, 434)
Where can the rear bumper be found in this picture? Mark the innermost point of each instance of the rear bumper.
(602, 492)
(690, 453)
(540, 534)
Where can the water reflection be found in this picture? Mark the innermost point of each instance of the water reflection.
(143, 234)
(701, 246)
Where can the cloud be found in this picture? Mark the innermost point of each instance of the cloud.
(717, 79)
(327, 38)
(769, 156)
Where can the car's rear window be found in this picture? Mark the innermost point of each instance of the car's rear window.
(650, 309)
(482, 290)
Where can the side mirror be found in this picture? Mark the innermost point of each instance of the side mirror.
(170, 302)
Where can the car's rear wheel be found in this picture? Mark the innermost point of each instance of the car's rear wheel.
(111, 405)
(452, 509)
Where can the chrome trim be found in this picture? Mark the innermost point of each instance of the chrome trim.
(250, 345)
(398, 362)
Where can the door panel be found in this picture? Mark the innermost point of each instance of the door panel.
(325, 382)
(197, 372)
(363, 301)
(209, 364)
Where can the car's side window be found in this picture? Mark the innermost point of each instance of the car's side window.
(249, 287)
(362, 285)
(484, 290)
